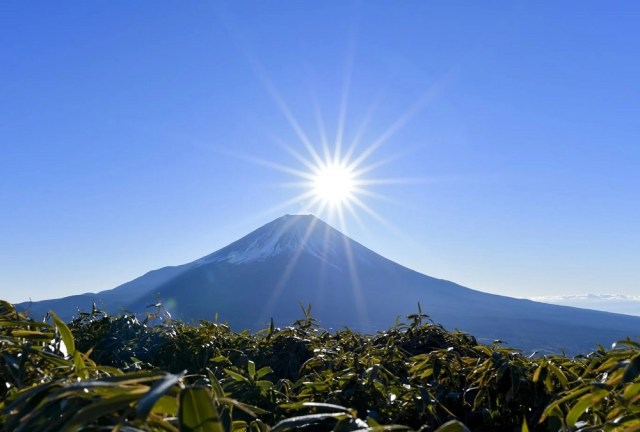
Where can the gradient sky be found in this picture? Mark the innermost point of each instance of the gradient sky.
(130, 131)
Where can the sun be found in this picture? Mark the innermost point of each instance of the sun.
(335, 172)
(333, 184)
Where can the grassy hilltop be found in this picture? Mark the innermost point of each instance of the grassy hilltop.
(125, 373)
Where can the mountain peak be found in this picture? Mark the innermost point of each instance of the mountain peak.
(299, 259)
(288, 234)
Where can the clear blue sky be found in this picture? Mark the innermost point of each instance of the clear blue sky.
(129, 130)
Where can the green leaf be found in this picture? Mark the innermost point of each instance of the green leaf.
(155, 392)
(453, 426)
(26, 324)
(263, 372)
(265, 384)
(31, 334)
(197, 413)
(553, 409)
(298, 423)
(167, 404)
(622, 423)
(218, 392)
(98, 409)
(632, 370)
(525, 426)
(251, 368)
(253, 411)
(51, 358)
(65, 334)
(578, 409)
(28, 399)
(236, 376)
(559, 374)
(538, 373)
(78, 363)
(631, 391)
(301, 405)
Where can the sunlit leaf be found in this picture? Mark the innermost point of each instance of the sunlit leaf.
(98, 409)
(578, 409)
(453, 426)
(297, 423)
(197, 413)
(632, 370)
(144, 405)
(65, 334)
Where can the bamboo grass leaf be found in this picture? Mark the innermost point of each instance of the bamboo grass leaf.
(236, 376)
(161, 387)
(32, 334)
(453, 426)
(632, 370)
(218, 392)
(631, 391)
(584, 403)
(298, 423)
(90, 413)
(197, 412)
(65, 334)
(253, 411)
(264, 371)
(251, 368)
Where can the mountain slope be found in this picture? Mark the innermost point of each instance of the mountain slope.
(301, 260)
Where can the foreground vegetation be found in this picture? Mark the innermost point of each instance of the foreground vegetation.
(124, 373)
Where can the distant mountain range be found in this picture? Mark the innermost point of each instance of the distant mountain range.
(299, 259)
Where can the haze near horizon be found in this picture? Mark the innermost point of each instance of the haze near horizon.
(492, 145)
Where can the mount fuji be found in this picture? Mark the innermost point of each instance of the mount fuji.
(299, 259)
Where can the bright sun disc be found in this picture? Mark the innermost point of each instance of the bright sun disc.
(333, 184)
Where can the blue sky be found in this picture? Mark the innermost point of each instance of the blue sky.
(129, 134)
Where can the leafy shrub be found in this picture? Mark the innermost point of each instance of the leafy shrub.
(103, 372)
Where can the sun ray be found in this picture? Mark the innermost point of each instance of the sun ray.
(356, 287)
(395, 181)
(306, 162)
(375, 195)
(377, 216)
(360, 131)
(293, 122)
(325, 156)
(400, 122)
(287, 204)
(354, 214)
(289, 149)
(276, 293)
(279, 167)
(361, 169)
(321, 130)
(336, 177)
(344, 102)
(282, 105)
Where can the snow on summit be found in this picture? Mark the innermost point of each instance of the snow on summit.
(287, 235)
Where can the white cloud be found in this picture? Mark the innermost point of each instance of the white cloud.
(618, 303)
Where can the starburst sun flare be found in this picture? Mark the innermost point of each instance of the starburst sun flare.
(334, 183)
(335, 173)
(335, 179)
(335, 176)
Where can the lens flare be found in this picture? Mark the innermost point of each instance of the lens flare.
(334, 184)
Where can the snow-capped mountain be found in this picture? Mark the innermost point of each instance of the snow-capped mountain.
(288, 235)
(299, 259)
